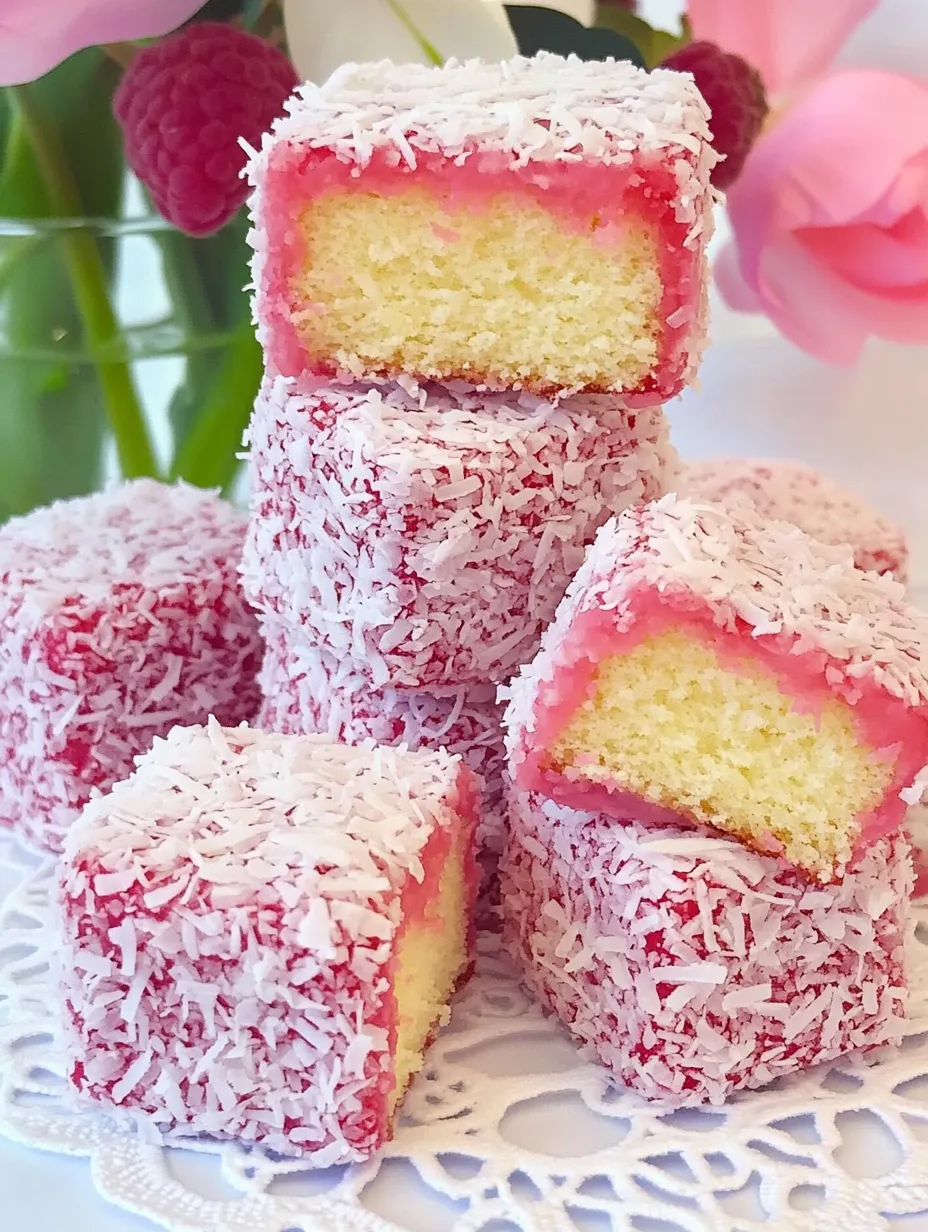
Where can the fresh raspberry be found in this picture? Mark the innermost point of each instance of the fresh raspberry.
(736, 98)
(183, 105)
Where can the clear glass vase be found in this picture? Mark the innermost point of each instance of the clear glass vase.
(125, 348)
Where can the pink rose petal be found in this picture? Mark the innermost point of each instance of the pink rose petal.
(735, 291)
(830, 217)
(35, 35)
(787, 41)
(872, 257)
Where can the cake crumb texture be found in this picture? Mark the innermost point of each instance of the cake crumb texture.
(734, 671)
(430, 961)
(538, 224)
(496, 292)
(722, 744)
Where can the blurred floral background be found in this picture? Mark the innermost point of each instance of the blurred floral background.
(125, 338)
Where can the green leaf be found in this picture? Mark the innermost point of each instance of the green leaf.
(220, 10)
(207, 457)
(655, 45)
(251, 12)
(222, 263)
(540, 29)
(52, 426)
(206, 280)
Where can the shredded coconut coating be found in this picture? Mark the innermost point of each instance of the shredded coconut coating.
(426, 536)
(761, 579)
(229, 917)
(520, 114)
(307, 690)
(544, 108)
(121, 615)
(787, 491)
(691, 967)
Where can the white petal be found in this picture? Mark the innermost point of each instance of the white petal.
(322, 35)
(580, 10)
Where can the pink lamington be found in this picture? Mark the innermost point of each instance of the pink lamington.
(306, 690)
(538, 224)
(121, 615)
(260, 934)
(709, 665)
(428, 535)
(790, 492)
(692, 967)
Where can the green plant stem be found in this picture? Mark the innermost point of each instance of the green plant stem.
(430, 51)
(91, 294)
(207, 458)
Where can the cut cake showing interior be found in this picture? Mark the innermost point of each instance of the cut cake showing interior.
(711, 666)
(538, 224)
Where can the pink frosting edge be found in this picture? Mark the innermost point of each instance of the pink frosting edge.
(885, 724)
(296, 175)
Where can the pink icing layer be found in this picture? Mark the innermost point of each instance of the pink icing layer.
(886, 725)
(680, 904)
(575, 192)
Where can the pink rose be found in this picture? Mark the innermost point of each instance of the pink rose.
(830, 217)
(35, 35)
(787, 41)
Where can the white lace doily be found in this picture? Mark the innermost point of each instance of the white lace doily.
(507, 1130)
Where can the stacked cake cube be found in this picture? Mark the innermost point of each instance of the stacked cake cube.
(475, 286)
(691, 966)
(712, 676)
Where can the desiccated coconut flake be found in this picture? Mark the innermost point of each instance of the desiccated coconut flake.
(786, 977)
